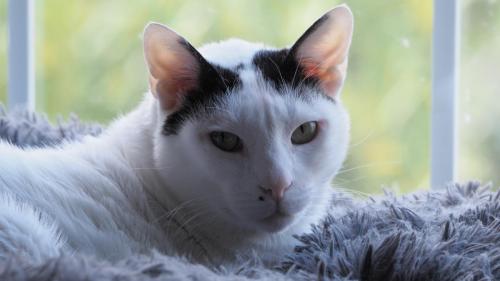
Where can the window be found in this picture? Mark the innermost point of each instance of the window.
(3, 51)
(479, 112)
(89, 61)
(388, 95)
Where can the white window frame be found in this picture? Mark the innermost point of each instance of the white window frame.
(21, 49)
(445, 71)
(445, 74)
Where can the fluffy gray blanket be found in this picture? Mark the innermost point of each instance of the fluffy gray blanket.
(449, 235)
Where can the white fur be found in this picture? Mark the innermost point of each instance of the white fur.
(225, 53)
(133, 189)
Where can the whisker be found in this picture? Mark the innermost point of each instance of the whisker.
(364, 139)
(353, 191)
(278, 69)
(154, 168)
(218, 108)
(295, 72)
(174, 211)
(318, 65)
(221, 78)
(183, 209)
(373, 164)
(348, 181)
(185, 225)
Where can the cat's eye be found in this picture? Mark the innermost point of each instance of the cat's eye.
(305, 133)
(226, 141)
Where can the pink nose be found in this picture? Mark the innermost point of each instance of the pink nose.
(278, 192)
(277, 189)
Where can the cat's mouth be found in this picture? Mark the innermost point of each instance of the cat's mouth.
(277, 221)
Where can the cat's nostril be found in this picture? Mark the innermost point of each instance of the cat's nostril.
(261, 198)
(276, 192)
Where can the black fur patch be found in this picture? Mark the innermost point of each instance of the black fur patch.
(281, 66)
(213, 81)
(282, 69)
(239, 67)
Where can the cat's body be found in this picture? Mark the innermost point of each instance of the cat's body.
(168, 177)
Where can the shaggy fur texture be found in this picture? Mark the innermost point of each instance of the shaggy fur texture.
(26, 129)
(448, 235)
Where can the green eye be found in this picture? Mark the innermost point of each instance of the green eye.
(226, 141)
(305, 133)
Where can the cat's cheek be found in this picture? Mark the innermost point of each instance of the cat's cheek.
(324, 132)
(296, 201)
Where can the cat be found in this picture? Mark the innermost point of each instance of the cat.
(231, 152)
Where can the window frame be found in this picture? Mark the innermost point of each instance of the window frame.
(445, 74)
(21, 54)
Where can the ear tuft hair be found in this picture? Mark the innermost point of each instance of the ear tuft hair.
(174, 65)
(323, 49)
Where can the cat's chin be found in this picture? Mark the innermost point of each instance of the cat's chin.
(276, 222)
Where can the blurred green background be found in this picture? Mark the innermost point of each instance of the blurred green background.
(89, 61)
(479, 113)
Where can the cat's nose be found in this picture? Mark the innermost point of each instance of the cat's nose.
(277, 189)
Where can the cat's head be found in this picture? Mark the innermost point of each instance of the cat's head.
(252, 135)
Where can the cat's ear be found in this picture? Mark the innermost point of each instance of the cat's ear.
(323, 49)
(174, 65)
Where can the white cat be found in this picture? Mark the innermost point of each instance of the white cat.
(230, 153)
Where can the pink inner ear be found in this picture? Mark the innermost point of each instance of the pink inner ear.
(330, 79)
(323, 53)
(174, 69)
(324, 57)
(177, 76)
(171, 90)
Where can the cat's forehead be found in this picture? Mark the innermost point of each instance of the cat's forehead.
(232, 53)
(272, 64)
(253, 80)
